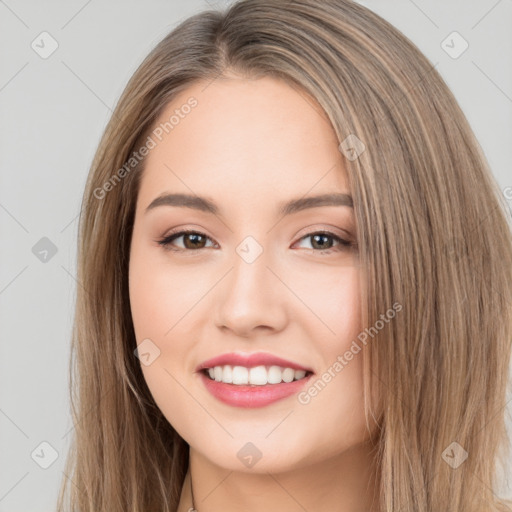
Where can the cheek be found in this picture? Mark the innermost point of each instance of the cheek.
(158, 301)
(161, 294)
(334, 300)
(163, 301)
(336, 393)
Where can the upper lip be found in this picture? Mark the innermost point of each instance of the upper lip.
(250, 360)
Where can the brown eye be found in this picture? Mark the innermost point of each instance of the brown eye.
(325, 241)
(192, 240)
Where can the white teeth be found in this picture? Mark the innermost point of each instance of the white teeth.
(240, 374)
(227, 375)
(256, 376)
(288, 374)
(275, 375)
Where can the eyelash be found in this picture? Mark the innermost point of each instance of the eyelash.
(166, 242)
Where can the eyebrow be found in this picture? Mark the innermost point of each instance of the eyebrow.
(286, 208)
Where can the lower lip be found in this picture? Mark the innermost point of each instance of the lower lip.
(252, 396)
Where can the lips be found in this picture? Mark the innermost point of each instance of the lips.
(253, 395)
(251, 360)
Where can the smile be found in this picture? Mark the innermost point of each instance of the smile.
(255, 376)
(252, 379)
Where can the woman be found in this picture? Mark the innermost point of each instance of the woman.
(296, 269)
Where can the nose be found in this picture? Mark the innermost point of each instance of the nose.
(251, 298)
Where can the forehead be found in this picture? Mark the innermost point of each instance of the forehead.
(244, 138)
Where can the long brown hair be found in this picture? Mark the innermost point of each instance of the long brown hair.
(433, 235)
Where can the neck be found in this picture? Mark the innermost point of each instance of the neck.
(345, 483)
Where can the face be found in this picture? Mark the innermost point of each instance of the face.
(250, 279)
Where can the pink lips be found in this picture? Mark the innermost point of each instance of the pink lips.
(248, 395)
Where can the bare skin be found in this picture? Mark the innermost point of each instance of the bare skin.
(249, 145)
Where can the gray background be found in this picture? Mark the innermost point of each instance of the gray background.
(53, 112)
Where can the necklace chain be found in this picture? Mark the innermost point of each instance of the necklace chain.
(192, 495)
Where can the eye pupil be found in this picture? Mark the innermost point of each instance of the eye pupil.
(196, 238)
(317, 237)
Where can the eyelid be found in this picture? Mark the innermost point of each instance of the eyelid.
(186, 229)
(165, 241)
(344, 242)
(326, 228)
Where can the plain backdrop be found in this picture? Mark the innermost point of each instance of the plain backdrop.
(53, 110)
